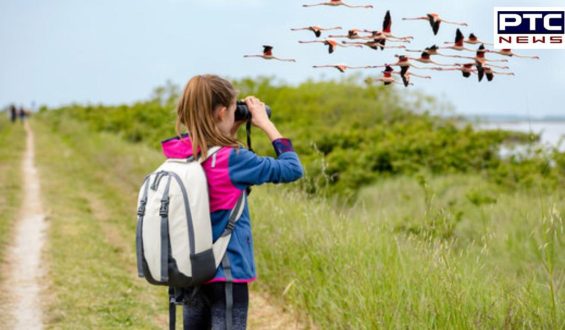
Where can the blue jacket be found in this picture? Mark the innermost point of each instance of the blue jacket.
(229, 172)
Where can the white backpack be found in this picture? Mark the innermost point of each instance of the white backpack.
(174, 230)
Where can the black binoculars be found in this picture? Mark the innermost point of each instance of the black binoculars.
(242, 112)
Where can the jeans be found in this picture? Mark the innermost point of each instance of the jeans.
(207, 307)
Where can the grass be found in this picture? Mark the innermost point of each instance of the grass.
(12, 142)
(434, 252)
(428, 254)
(88, 191)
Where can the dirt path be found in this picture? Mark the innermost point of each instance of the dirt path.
(23, 260)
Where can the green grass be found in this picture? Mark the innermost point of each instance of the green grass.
(88, 189)
(443, 252)
(404, 260)
(12, 147)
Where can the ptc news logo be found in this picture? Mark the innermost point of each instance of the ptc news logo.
(529, 27)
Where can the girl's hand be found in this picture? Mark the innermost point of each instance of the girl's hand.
(259, 116)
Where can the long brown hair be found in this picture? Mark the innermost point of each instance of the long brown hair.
(195, 111)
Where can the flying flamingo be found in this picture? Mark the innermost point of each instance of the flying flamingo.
(432, 50)
(481, 59)
(458, 44)
(406, 77)
(425, 57)
(335, 3)
(316, 29)
(508, 52)
(404, 64)
(374, 44)
(375, 34)
(473, 40)
(386, 79)
(330, 43)
(435, 21)
(490, 73)
(268, 55)
(342, 67)
(466, 69)
(351, 34)
(387, 28)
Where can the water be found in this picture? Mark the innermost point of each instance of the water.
(551, 131)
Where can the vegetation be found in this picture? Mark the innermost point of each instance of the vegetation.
(349, 135)
(441, 231)
(450, 251)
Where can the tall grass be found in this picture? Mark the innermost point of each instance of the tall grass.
(447, 252)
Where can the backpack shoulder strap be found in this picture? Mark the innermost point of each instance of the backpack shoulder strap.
(211, 151)
(221, 244)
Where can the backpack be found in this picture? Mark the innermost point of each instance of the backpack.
(174, 245)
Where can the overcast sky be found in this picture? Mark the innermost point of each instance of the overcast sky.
(61, 51)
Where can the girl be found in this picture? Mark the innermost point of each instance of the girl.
(206, 109)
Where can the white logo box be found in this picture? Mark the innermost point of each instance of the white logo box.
(530, 40)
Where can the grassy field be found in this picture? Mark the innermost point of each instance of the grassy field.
(87, 189)
(430, 252)
(12, 146)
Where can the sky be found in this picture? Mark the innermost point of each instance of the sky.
(62, 51)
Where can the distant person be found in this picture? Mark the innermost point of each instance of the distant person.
(13, 113)
(207, 111)
(22, 114)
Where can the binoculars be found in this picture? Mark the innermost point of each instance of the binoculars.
(242, 112)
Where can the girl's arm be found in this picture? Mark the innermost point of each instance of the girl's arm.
(246, 168)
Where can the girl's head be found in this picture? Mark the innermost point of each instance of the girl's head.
(206, 109)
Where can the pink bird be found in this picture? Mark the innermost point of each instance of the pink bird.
(342, 67)
(316, 29)
(332, 44)
(335, 3)
(435, 21)
(459, 43)
(508, 52)
(268, 55)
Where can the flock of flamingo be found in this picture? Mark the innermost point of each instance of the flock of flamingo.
(382, 39)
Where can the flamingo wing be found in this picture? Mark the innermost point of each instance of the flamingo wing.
(459, 38)
(387, 23)
(480, 70)
(434, 24)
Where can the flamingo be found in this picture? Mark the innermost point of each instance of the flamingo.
(407, 75)
(268, 55)
(466, 69)
(481, 59)
(435, 21)
(404, 64)
(425, 57)
(374, 44)
(351, 34)
(508, 52)
(375, 34)
(335, 3)
(386, 79)
(330, 43)
(490, 73)
(432, 50)
(459, 42)
(316, 29)
(387, 28)
(342, 67)
(473, 40)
